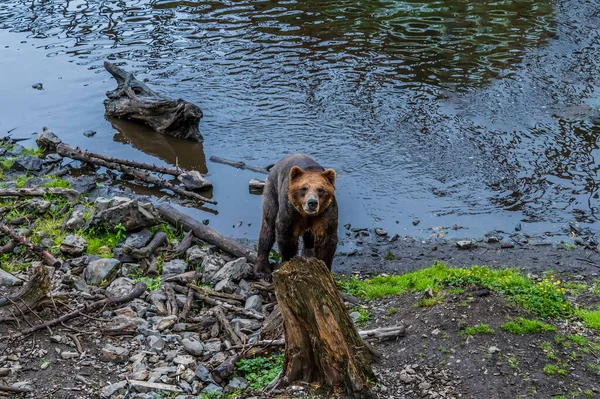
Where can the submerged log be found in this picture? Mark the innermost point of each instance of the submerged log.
(321, 343)
(239, 165)
(133, 100)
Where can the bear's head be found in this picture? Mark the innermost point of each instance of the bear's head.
(311, 191)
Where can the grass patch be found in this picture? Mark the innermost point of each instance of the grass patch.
(545, 298)
(392, 311)
(479, 329)
(260, 371)
(33, 152)
(553, 369)
(58, 183)
(525, 326)
(172, 232)
(590, 318)
(363, 316)
(578, 339)
(21, 180)
(7, 163)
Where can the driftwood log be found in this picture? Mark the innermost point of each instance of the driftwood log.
(160, 238)
(205, 233)
(238, 164)
(322, 345)
(133, 100)
(70, 194)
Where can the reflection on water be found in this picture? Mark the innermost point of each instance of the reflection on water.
(474, 112)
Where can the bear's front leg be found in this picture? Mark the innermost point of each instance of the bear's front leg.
(325, 248)
(262, 268)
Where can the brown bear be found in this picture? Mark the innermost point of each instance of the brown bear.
(298, 200)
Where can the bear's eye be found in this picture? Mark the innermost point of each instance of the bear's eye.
(304, 189)
(320, 191)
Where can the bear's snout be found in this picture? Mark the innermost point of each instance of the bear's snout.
(312, 205)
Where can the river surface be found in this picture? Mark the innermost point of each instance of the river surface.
(475, 113)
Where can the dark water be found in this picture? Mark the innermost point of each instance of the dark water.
(475, 113)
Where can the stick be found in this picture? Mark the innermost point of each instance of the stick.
(67, 151)
(70, 194)
(226, 326)
(214, 302)
(185, 244)
(205, 233)
(238, 164)
(172, 307)
(22, 240)
(190, 297)
(13, 389)
(138, 290)
(159, 239)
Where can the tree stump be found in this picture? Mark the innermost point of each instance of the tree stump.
(321, 343)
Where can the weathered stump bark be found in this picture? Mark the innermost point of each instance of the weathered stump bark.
(133, 100)
(321, 343)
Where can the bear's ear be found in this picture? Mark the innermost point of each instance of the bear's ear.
(295, 172)
(329, 174)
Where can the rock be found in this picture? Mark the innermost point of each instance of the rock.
(29, 162)
(155, 343)
(141, 375)
(416, 222)
(493, 349)
(465, 244)
(175, 266)
(100, 269)
(129, 213)
(193, 180)
(507, 245)
(77, 219)
(196, 255)
(69, 355)
(112, 389)
(493, 240)
(212, 388)
(114, 354)
(381, 232)
(83, 184)
(212, 345)
(210, 267)
(237, 383)
(254, 302)
(73, 245)
(355, 316)
(120, 287)
(226, 286)
(139, 239)
(204, 375)
(406, 378)
(185, 360)
(518, 227)
(424, 386)
(192, 347)
(8, 280)
(246, 324)
(234, 270)
(89, 133)
(37, 86)
(165, 323)
(144, 386)
(47, 139)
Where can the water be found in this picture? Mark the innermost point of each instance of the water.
(480, 114)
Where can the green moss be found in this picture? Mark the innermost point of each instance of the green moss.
(21, 180)
(7, 163)
(479, 329)
(363, 316)
(525, 326)
(590, 318)
(58, 183)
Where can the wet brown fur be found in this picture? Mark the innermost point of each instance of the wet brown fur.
(286, 217)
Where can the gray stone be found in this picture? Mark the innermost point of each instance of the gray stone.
(254, 302)
(139, 239)
(145, 386)
(185, 360)
(77, 219)
(246, 324)
(100, 269)
(112, 389)
(89, 133)
(183, 384)
(193, 180)
(381, 232)
(47, 139)
(29, 162)
(36, 182)
(83, 184)
(196, 255)
(155, 343)
(69, 355)
(212, 345)
(237, 383)
(424, 385)
(210, 266)
(120, 287)
(175, 266)
(226, 286)
(192, 347)
(37, 86)
(493, 349)
(141, 375)
(212, 388)
(114, 354)
(129, 213)
(165, 323)
(37, 205)
(465, 244)
(234, 270)
(73, 245)
(8, 280)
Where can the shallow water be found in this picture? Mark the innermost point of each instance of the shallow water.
(480, 114)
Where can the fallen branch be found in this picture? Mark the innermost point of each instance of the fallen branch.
(190, 297)
(214, 302)
(238, 164)
(14, 389)
(172, 308)
(159, 239)
(66, 151)
(185, 244)
(22, 240)
(70, 194)
(205, 233)
(226, 326)
(138, 290)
